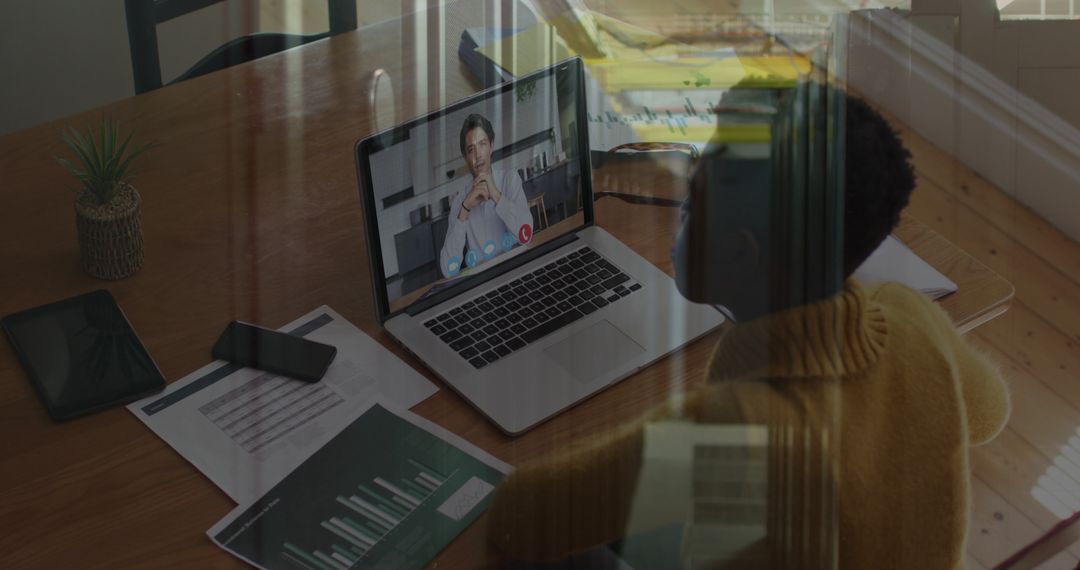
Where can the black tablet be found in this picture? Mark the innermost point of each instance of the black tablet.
(82, 355)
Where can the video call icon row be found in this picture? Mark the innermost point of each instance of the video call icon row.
(489, 249)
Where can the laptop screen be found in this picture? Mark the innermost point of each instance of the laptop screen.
(453, 195)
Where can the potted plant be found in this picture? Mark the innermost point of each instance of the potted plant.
(107, 206)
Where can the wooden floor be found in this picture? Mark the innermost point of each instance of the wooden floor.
(1032, 470)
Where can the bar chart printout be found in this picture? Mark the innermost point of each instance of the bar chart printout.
(384, 493)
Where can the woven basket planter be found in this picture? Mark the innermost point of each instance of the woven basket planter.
(110, 236)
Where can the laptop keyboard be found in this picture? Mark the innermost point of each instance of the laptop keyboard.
(525, 310)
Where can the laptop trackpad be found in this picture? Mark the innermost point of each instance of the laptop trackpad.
(590, 353)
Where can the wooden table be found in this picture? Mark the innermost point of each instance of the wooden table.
(250, 211)
(983, 295)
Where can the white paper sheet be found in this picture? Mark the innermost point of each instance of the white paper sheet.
(893, 261)
(246, 429)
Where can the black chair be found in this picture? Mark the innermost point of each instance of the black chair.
(143, 17)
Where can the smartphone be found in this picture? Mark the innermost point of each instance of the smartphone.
(274, 351)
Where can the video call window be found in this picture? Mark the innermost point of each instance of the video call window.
(462, 192)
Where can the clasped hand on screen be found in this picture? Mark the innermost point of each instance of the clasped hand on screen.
(483, 189)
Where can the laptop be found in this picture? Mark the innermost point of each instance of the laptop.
(486, 262)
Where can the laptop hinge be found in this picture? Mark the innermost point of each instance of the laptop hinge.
(477, 280)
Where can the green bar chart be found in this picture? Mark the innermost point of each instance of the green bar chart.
(383, 493)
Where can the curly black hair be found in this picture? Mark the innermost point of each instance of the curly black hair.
(879, 182)
(473, 121)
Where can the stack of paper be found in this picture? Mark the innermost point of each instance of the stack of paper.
(333, 474)
(893, 261)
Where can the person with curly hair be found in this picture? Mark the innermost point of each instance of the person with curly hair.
(869, 396)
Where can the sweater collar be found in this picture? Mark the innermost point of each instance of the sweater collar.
(841, 335)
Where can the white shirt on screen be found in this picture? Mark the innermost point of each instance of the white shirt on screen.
(487, 222)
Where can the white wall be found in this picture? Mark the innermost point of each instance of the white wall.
(999, 96)
(62, 57)
(59, 57)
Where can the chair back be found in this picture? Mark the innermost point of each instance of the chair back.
(143, 17)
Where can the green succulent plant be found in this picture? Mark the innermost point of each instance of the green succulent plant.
(103, 160)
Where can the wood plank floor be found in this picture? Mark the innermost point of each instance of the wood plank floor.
(1028, 478)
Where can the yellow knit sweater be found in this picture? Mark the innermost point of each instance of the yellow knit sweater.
(881, 396)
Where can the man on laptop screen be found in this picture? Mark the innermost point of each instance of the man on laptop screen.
(466, 189)
(490, 215)
(486, 262)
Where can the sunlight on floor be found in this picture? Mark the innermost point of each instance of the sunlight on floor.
(1059, 488)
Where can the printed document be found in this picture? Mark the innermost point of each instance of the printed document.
(389, 491)
(246, 429)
